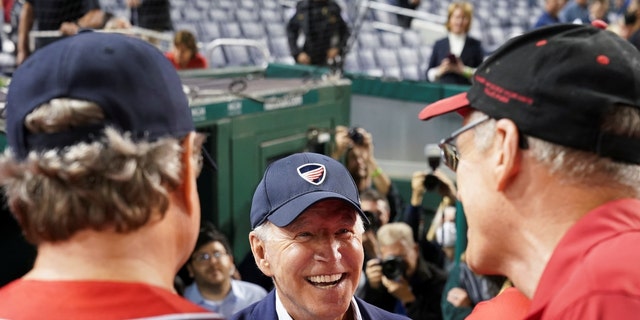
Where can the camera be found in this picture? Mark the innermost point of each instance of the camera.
(374, 222)
(432, 152)
(393, 267)
(356, 136)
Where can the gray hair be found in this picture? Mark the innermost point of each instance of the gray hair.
(574, 165)
(391, 233)
(115, 183)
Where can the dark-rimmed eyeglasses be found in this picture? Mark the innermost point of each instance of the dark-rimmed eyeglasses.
(448, 149)
(206, 256)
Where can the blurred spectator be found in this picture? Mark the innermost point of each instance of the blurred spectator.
(404, 20)
(212, 267)
(151, 14)
(355, 147)
(632, 28)
(550, 13)
(376, 208)
(414, 215)
(100, 173)
(325, 32)
(66, 16)
(454, 58)
(401, 281)
(576, 11)
(599, 10)
(184, 54)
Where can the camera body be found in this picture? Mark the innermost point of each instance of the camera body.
(432, 152)
(393, 267)
(356, 136)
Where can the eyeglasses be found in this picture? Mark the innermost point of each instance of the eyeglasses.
(448, 149)
(206, 256)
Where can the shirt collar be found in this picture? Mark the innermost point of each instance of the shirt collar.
(284, 315)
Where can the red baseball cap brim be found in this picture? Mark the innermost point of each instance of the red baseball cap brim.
(457, 103)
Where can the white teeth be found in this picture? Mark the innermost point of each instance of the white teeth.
(325, 278)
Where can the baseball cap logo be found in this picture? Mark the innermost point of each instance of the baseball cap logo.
(313, 173)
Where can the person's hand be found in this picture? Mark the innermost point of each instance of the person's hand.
(133, 3)
(374, 273)
(21, 56)
(417, 188)
(69, 28)
(448, 66)
(342, 142)
(399, 289)
(303, 58)
(458, 297)
(447, 188)
(332, 53)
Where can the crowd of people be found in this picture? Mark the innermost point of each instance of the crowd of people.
(538, 211)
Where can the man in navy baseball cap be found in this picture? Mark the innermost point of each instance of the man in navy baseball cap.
(307, 236)
(548, 170)
(100, 172)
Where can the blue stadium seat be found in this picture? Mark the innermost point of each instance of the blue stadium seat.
(409, 56)
(218, 14)
(210, 30)
(191, 14)
(216, 58)
(412, 72)
(237, 56)
(368, 40)
(231, 30)
(411, 38)
(202, 4)
(386, 58)
(391, 40)
(351, 63)
(279, 47)
(368, 63)
(244, 15)
(276, 29)
(252, 30)
(189, 26)
(270, 15)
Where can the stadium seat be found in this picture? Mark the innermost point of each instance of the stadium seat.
(411, 72)
(218, 14)
(216, 58)
(276, 29)
(391, 39)
(237, 56)
(231, 30)
(189, 26)
(367, 40)
(411, 38)
(210, 30)
(279, 47)
(351, 63)
(409, 56)
(386, 58)
(191, 15)
(246, 15)
(253, 30)
(270, 15)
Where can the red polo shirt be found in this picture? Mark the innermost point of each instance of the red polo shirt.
(594, 272)
(197, 62)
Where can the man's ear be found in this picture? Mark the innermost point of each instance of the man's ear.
(508, 155)
(259, 254)
(188, 187)
(190, 269)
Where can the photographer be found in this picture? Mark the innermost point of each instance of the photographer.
(401, 280)
(354, 147)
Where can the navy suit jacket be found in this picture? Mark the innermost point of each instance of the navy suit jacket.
(471, 55)
(265, 309)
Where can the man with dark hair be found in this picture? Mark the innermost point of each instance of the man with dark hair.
(211, 266)
(548, 170)
(100, 173)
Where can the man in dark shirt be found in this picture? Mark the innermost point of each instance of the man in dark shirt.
(151, 14)
(67, 16)
(325, 32)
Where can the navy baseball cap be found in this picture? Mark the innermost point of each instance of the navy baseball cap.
(556, 83)
(291, 185)
(136, 86)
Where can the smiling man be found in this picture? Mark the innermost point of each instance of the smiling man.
(307, 236)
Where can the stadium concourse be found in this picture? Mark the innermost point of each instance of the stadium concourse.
(379, 47)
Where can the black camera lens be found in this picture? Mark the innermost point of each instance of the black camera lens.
(356, 136)
(393, 267)
(431, 182)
